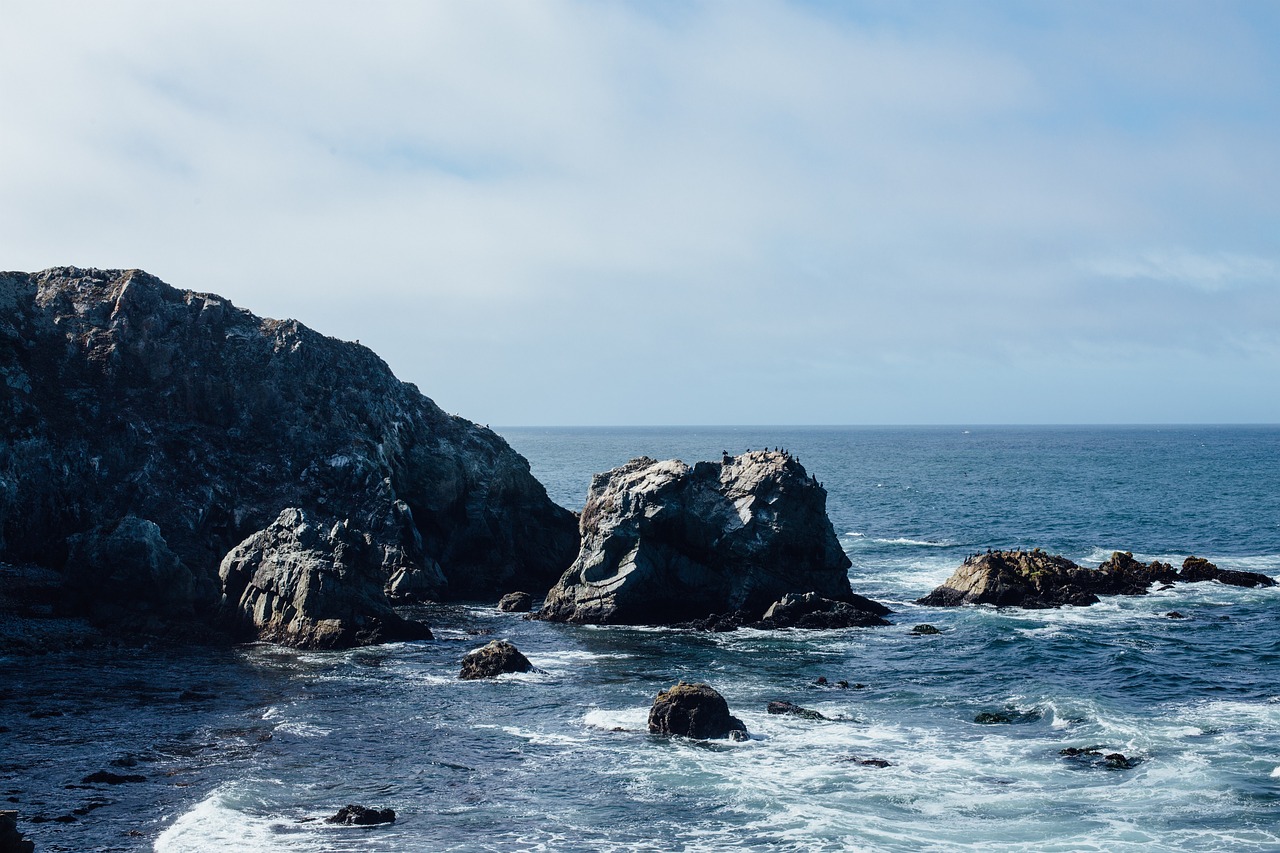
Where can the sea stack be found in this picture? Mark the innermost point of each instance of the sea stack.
(172, 427)
(665, 543)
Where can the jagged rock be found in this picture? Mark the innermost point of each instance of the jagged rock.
(809, 610)
(1035, 579)
(311, 584)
(1009, 715)
(694, 711)
(516, 602)
(122, 396)
(1094, 756)
(793, 710)
(925, 630)
(663, 543)
(353, 815)
(1195, 569)
(11, 840)
(1015, 578)
(412, 584)
(496, 658)
(128, 571)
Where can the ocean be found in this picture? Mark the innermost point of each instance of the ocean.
(250, 748)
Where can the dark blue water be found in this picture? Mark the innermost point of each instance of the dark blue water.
(244, 749)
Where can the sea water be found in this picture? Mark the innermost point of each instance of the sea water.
(251, 748)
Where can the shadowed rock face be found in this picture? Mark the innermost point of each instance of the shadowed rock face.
(663, 543)
(122, 396)
(498, 657)
(1034, 579)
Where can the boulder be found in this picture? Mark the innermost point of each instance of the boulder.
(312, 583)
(924, 630)
(663, 543)
(810, 610)
(1121, 574)
(353, 815)
(694, 711)
(1196, 569)
(121, 396)
(516, 602)
(497, 658)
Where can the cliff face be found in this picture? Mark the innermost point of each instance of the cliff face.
(664, 543)
(122, 396)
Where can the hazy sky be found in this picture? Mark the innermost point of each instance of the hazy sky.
(688, 213)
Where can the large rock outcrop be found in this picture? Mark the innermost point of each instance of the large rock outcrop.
(694, 711)
(1037, 580)
(312, 585)
(121, 396)
(664, 543)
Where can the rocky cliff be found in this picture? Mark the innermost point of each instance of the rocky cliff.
(124, 398)
(662, 542)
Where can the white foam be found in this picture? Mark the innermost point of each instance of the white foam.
(221, 821)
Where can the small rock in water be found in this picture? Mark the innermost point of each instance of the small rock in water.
(353, 815)
(495, 659)
(1173, 614)
(694, 711)
(844, 685)
(516, 602)
(794, 711)
(821, 681)
(106, 777)
(1006, 716)
(1094, 756)
(868, 762)
(924, 630)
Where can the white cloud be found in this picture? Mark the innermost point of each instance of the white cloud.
(654, 197)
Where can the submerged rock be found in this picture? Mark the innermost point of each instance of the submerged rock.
(1094, 756)
(106, 777)
(353, 815)
(1196, 569)
(793, 710)
(663, 543)
(925, 630)
(516, 602)
(694, 711)
(312, 585)
(128, 405)
(496, 658)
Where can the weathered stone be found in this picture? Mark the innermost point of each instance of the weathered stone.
(925, 630)
(128, 571)
(793, 710)
(516, 602)
(809, 610)
(353, 815)
(122, 396)
(497, 658)
(1196, 569)
(663, 543)
(314, 585)
(694, 711)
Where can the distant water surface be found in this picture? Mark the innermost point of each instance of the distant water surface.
(245, 749)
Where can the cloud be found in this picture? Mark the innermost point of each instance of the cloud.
(663, 203)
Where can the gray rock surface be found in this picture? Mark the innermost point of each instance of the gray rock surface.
(122, 396)
(312, 584)
(664, 543)
(516, 602)
(809, 610)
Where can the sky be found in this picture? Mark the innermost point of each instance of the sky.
(747, 212)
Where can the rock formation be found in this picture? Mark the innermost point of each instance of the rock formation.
(516, 602)
(312, 585)
(812, 611)
(169, 426)
(356, 815)
(695, 711)
(1034, 579)
(663, 543)
(496, 658)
